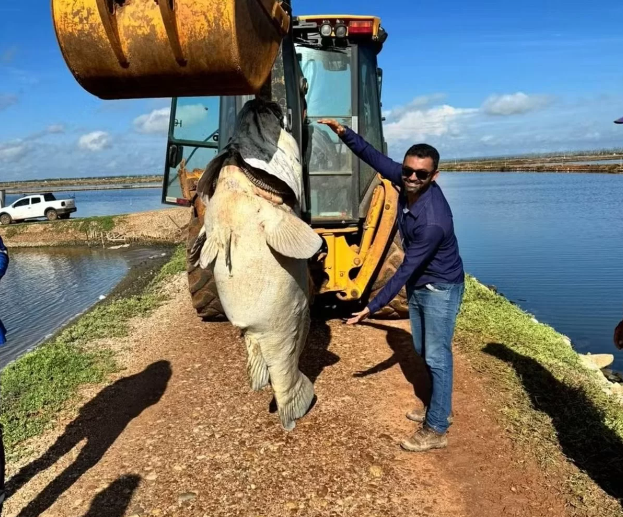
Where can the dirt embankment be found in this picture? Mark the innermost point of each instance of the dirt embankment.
(160, 226)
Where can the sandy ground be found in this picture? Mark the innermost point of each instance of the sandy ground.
(179, 432)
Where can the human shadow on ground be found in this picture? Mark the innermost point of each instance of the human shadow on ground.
(114, 500)
(582, 434)
(100, 422)
(316, 355)
(411, 364)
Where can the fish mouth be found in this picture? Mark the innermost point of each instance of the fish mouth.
(268, 183)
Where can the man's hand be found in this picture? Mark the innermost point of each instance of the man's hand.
(335, 126)
(358, 317)
(618, 336)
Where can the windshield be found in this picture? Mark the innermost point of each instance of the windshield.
(328, 73)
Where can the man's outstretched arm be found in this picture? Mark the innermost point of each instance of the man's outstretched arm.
(385, 166)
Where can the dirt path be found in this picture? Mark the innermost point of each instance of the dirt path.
(179, 433)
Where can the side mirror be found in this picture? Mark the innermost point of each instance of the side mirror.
(175, 154)
(379, 78)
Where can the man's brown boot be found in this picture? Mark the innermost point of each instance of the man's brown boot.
(424, 440)
(419, 416)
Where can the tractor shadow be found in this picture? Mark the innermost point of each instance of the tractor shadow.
(411, 364)
(100, 422)
(582, 434)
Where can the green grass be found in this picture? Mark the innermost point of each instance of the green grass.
(88, 225)
(549, 403)
(39, 384)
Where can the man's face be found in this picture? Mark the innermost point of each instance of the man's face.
(418, 173)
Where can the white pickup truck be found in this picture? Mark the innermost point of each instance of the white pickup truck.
(37, 206)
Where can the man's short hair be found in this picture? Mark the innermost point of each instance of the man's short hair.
(424, 151)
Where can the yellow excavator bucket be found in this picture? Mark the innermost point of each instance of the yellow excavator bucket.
(124, 49)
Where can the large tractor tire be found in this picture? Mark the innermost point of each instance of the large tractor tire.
(201, 281)
(398, 308)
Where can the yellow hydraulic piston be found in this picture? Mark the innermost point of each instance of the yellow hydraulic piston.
(122, 49)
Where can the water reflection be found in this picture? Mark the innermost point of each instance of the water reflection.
(45, 288)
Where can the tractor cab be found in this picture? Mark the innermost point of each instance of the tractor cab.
(329, 64)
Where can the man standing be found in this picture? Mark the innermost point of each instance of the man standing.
(4, 264)
(432, 271)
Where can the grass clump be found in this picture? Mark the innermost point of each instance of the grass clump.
(39, 384)
(549, 402)
(176, 265)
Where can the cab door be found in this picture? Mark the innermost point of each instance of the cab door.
(193, 142)
(21, 209)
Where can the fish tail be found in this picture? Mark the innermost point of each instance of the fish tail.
(299, 401)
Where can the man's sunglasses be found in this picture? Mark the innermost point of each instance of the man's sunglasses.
(421, 174)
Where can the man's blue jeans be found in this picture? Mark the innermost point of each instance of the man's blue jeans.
(433, 309)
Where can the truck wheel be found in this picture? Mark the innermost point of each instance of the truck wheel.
(51, 214)
(398, 308)
(201, 281)
(5, 219)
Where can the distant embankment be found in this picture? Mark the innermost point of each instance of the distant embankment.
(160, 226)
(80, 184)
(489, 166)
(610, 163)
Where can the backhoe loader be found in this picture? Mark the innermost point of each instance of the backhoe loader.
(210, 57)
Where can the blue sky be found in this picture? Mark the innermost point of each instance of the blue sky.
(473, 78)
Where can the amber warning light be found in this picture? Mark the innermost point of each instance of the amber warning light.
(361, 27)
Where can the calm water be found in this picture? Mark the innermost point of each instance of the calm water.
(45, 288)
(553, 243)
(110, 202)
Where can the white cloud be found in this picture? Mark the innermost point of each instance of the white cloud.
(6, 101)
(418, 103)
(55, 129)
(514, 104)
(157, 122)
(95, 141)
(12, 151)
(417, 124)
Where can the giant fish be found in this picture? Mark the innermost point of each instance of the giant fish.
(258, 246)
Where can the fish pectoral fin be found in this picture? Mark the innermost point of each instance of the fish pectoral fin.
(290, 236)
(209, 251)
(195, 252)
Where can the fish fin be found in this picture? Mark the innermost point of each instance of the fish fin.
(299, 402)
(209, 251)
(228, 251)
(195, 252)
(257, 369)
(291, 237)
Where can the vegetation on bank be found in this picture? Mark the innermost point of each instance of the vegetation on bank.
(550, 404)
(39, 384)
